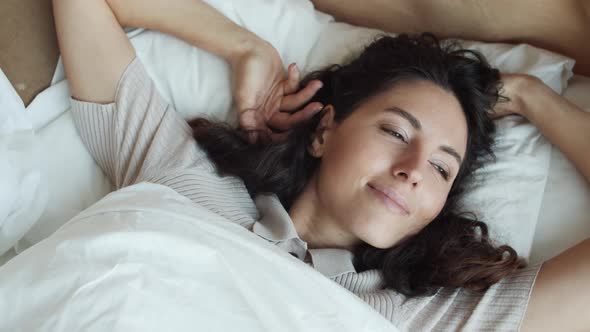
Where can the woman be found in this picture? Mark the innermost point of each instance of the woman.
(382, 164)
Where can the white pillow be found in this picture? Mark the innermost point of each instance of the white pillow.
(197, 83)
(74, 179)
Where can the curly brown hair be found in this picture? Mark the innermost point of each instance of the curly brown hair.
(454, 250)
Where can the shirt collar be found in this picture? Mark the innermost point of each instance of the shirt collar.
(332, 262)
(276, 226)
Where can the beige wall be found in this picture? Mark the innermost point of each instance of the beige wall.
(28, 45)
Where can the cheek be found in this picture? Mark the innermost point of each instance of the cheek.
(344, 172)
(353, 159)
(432, 207)
(437, 202)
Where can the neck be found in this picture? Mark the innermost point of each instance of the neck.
(314, 224)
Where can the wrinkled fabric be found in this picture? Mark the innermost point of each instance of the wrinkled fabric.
(147, 259)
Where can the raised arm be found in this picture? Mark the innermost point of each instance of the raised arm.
(563, 280)
(562, 26)
(95, 49)
(563, 123)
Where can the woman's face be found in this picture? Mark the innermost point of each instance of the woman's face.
(387, 169)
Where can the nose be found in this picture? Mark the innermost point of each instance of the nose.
(409, 169)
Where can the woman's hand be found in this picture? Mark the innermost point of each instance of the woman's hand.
(265, 99)
(516, 88)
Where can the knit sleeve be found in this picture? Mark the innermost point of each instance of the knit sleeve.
(137, 137)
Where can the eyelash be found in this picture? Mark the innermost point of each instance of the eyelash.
(395, 134)
(442, 171)
(399, 136)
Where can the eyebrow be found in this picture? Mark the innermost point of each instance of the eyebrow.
(418, 126)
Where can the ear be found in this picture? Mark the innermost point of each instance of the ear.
(322, 133)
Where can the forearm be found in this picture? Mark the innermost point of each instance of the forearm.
(564, 124)
(444, 18)
(193, 21)
(561, 26)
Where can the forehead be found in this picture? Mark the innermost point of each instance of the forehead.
(440, 115)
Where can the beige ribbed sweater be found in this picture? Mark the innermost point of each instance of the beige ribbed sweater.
(140, 137)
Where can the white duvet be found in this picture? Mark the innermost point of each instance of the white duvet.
(147, 259)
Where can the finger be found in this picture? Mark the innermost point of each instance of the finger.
(293, 77)
(252, 136)
(285, 121)
(257, 136)
(279, 136)
(500, 112)
(264, 136)
(305, 114)
(294, 101)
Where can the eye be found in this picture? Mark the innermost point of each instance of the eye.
(394, 134)
(442, 171)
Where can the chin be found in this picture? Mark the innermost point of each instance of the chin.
(396, 237)
(383, 237)
(381, 244)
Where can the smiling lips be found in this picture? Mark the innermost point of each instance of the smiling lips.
(395, 202)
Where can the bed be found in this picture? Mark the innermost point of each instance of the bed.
(532, 198)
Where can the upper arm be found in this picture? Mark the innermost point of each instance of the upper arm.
(126, 125)
(561, 292)
(94, 48)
